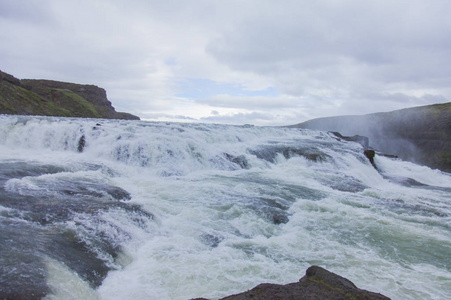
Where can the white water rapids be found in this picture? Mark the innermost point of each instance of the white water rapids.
(212, 210)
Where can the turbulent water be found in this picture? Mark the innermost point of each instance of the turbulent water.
(99, 209)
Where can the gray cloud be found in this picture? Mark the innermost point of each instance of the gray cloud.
(322, 57)
(26, 11)
(327, 46)
(168, 116)
(239, 118)
(243, 102)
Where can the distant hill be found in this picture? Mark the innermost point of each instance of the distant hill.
(419, 134)
(54, 98)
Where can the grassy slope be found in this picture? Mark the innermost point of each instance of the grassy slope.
(17, 100)
(65, 103)
(79, 107)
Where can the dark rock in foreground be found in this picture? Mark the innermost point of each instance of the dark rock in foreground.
(318, 283)
(55, 98)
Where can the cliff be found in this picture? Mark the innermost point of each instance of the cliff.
(54, 98)
(419, 134)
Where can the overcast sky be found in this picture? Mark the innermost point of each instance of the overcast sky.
(261, 62)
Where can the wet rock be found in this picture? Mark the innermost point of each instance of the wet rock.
(81, 143)
(22, 272)
(275, 215)
(270, 152)
(280, 219)
(211, 240)
(239, 160)
(370, 155)
(362, 140)
(67, 218)
(318, 283)
(308, 154)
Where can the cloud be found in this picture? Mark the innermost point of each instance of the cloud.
(309, 46)
(33, 11)
(203, 88)
(166, 117)
(257, 59)
(250, 102)
(239, 118)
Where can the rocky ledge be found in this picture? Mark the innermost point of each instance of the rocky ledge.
(318, 283)
(55, 98)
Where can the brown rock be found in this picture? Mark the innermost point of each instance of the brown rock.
(318, 283)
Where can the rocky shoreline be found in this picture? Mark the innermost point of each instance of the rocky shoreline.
(318, 283)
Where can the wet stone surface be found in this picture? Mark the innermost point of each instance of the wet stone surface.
(46, 214)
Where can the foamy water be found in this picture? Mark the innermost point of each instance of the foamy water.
(213, 210)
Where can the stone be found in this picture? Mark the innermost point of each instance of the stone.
(318, 283)
(362, 140)
(239, 160)
(81, 143)
(370, 155)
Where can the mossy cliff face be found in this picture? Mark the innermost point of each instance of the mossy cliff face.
(419, 134)
(54, 98)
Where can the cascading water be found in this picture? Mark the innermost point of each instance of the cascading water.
(109, 209)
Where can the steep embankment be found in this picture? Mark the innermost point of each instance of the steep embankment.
(419, 134)
(54, 98)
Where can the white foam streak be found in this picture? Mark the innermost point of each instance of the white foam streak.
(65, 284)
(419, 173)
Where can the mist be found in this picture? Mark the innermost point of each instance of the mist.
(420, 135)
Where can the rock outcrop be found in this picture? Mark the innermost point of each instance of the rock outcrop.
(362, 140)
(419, 134)
(55, 98)
(370, 155)
(318, 283)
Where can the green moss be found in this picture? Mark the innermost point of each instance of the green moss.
(59, 111)
(54, 98)
(26, 93)
(15, 99)
(18, 100)
(75, 104)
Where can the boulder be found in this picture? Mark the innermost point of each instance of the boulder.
(239, 160)
(370, 155)
(362, 140)
(81, 143)
(318, 283)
